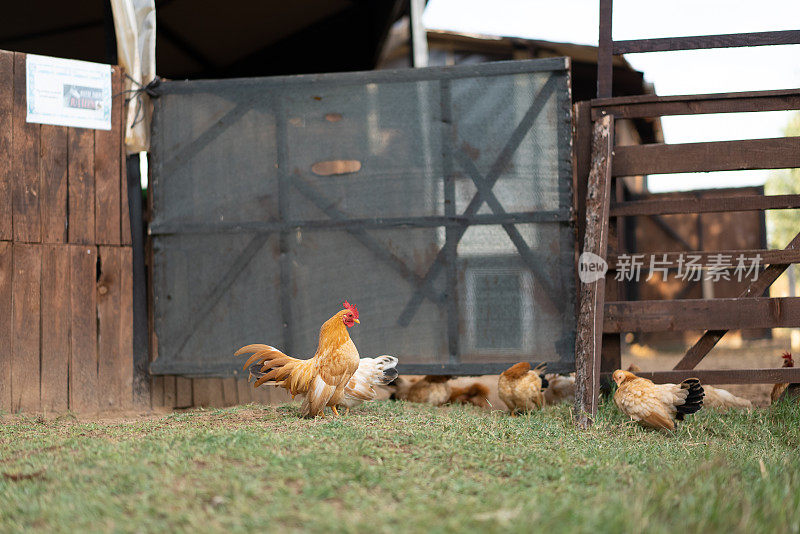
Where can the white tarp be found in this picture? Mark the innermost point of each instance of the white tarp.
(135, 26)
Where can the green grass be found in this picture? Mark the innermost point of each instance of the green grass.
(401, 467)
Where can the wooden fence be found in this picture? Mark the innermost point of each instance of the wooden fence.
(598, 165)
(65, 260)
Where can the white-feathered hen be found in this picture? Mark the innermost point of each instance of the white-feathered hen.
(371, 372)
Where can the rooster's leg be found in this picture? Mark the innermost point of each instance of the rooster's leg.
(347, 412)
(335, 410)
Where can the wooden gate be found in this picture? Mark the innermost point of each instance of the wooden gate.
(599, 165)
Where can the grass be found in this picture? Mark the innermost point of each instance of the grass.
(401, 467)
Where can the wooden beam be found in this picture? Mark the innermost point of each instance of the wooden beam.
(672, 259)
(643, 106)
(709, 340)
(605, 57)
(666, 206)
(700, 42)
(780, 153)
(588, 342)
(726, 376)
(693, 314)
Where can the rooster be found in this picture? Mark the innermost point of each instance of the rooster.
(476, 394)
(371, 372)
(656, 405)
(520, 388)
(778, 389)
(323, 378)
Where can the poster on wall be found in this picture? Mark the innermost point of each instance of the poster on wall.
(66, 92)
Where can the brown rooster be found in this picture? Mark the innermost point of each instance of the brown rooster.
(520, 388)
(778, 389)
(476, 394)
(321, 379)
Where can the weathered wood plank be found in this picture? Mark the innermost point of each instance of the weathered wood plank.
(607, 104)
(706, 314)
(244, 392)
(124, 210)
(263, 394)
(581, 164)
(6, 329)
(170, 391)
(6, 143)
(208, 392)
(83, 387)
(107, 167)
(709, 340)
(605, 51)
(672, 259)
(55, 327)
(726, 376)
(54, 160)
(81, 186)
(115, 363)
(699, 42)
(653, 106)
(26, 301)
(590, 318)
(157, 392)
(230, 396)
(183, 392)
(126, 322)
(710, 204)
(780, 153)
(26, 184)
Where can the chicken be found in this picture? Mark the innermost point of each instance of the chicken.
(323, 378)
(560, 388)
(371, 372)
(778, 389)
(476, 394)
(656, 405)
(431, 389)
(721, 398)
(520, 388)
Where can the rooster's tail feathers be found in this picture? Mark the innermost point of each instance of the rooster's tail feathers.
(694, 398)
(268, 365)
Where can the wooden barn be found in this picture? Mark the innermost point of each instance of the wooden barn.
(83, 274)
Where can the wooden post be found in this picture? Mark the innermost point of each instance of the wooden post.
(605, 57)
(590, 317)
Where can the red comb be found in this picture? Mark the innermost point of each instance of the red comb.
(787, 356)
(352, 308)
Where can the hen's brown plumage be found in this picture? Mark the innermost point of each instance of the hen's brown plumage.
(656, 405)
(431, 389)
(721, 398)
(476, 394)
(520, 388)
(323, 378)
(560, 388)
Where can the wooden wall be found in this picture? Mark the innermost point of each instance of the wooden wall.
(179, 392)
(65, 260)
